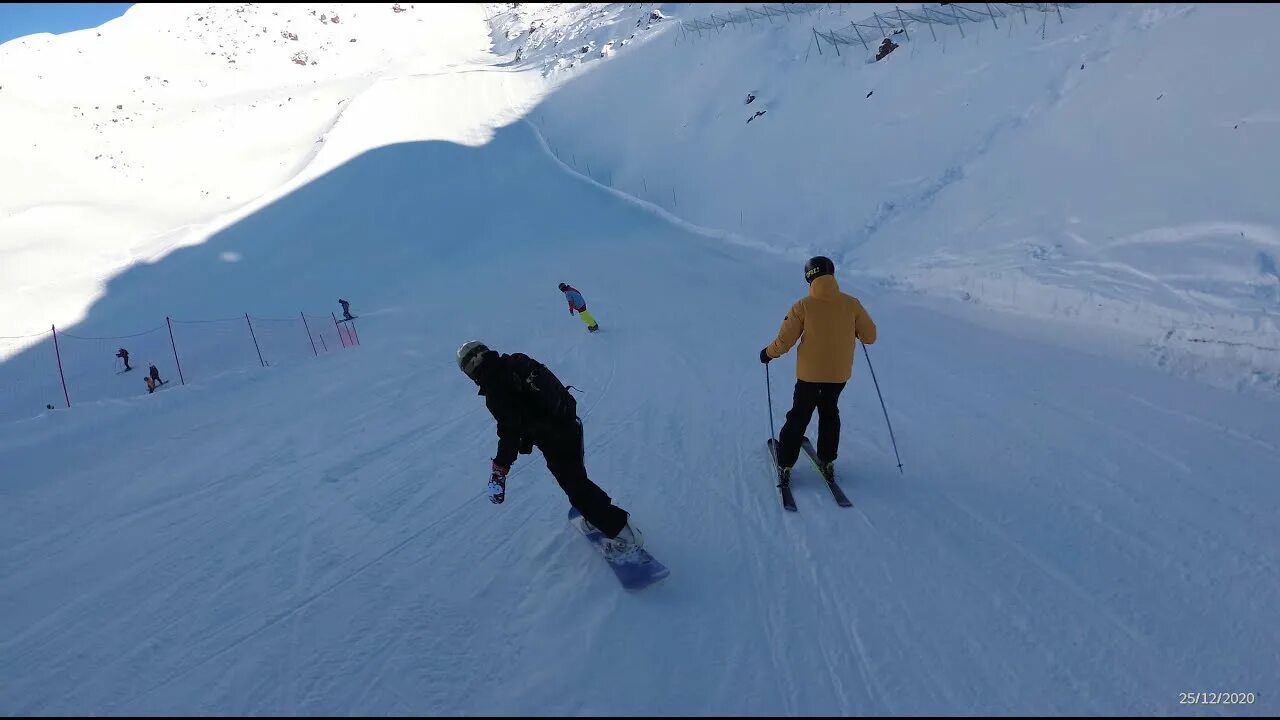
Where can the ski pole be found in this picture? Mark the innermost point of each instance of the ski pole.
(768, 386)
(882, 407)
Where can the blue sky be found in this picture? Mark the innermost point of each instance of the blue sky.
(18, 19)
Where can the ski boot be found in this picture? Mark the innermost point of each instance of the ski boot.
(828, 471)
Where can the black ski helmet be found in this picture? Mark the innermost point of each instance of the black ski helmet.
(563, 287)
(469, 356)
(817, 267)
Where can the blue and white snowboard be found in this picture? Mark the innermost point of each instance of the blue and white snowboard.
(638, 573)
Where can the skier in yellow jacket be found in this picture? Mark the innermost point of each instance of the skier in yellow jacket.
(828, 324)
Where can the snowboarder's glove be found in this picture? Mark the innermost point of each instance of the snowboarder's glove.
(764, 355)
(497, 484)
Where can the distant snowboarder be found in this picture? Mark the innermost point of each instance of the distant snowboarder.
(124, 355)
(828, 324)
(578, 303)
(346, 309)
(532, 408)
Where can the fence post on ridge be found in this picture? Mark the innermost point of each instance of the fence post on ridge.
(65, 394)
(175, 349)
(308, 327)
(338, 327)
(860, 38)
(255, 340)
(930, 24)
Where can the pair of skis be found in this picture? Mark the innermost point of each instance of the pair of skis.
(788, 499)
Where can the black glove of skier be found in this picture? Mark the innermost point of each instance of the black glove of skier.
(764, 356)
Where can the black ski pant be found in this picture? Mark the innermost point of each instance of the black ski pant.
(810, 396)
(565, 453)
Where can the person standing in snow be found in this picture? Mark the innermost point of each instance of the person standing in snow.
(153, 380)
(532, 408)
(346, 309)
(828, 323)
(124, 355)
(578, 303)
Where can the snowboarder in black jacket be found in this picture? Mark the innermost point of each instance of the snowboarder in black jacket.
(532, 408)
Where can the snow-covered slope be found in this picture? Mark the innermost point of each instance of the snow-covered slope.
(154, 130)
(1110, 173)
(1072, 533)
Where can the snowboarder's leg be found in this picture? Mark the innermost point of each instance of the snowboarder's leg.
(565, 455)
(587, 318)
(802, 406)
(829, 421)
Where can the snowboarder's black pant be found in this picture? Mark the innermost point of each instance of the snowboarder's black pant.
(566, 459)
(824, 397)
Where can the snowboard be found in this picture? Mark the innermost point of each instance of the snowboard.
(634, 575)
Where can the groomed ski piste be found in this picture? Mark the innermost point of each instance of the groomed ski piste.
(1084, 523)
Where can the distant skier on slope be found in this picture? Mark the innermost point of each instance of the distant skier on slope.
(346, 309)
(152, 379)
(532, 408)
(579, 303)
(124, 355)
(828, 324)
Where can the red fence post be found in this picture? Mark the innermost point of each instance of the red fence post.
(58, 352)
(339, 329)
(175, 349)
(255, 340)
(355, 332)
(308, 327)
